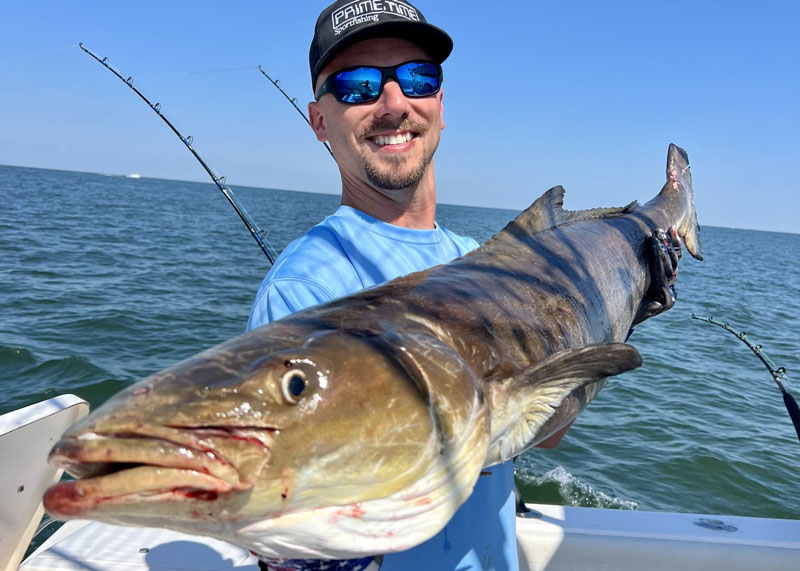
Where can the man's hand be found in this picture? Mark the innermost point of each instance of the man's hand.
(664, 251)
(554, 439)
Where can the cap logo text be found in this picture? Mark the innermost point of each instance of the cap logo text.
(360, 11)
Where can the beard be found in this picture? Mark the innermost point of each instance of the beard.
(391, 177)
(394, 172)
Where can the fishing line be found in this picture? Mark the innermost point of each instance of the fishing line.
(34, 55)
(778, 373)
(293, 101)
(258, 234)
(222, 70)
(143, 76)
(37, 87)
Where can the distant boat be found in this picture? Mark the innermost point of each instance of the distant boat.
(133, 175)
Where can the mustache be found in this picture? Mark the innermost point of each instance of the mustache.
(406, 124)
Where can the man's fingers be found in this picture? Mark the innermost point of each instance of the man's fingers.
(664, 249)
(662, 263)
(677, 246)
(663, 270)
(675, 251)
(670, 254)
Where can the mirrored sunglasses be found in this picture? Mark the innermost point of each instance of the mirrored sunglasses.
(365, 83)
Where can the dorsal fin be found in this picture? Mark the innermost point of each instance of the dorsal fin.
(548, 212)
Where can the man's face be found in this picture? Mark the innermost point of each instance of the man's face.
(390, 142)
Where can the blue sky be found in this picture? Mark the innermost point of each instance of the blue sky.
(584, 94)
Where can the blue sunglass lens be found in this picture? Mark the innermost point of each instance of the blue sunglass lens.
(362, 84)
(418, 79)
(358, 85)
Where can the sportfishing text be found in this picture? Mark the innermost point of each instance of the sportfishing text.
(361, 11)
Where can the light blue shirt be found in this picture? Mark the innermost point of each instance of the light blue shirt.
(350, 251)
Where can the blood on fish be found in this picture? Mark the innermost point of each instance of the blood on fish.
(203, 495)
(249, 439)
(354, 511)
(68, 499)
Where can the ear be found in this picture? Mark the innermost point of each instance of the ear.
(441, 108)
(317, 120)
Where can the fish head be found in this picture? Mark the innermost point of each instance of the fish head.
(261, 447)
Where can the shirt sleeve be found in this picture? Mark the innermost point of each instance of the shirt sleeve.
(284, 296)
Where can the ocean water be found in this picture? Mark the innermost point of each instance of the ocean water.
(105, 279)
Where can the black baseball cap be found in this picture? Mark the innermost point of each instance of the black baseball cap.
(346, 22)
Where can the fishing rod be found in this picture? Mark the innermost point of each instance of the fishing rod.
(258, 234)
(293, 101)
(778, 373)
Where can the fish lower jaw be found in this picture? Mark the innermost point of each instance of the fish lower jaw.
(139, 488)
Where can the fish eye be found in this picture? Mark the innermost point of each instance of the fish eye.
(293, 383)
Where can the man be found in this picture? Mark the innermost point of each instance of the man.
(384, 140)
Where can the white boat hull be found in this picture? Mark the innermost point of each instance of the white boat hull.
(570, 538)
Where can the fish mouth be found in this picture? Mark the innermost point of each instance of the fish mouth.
(154, 465)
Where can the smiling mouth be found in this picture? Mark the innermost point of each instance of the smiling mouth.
(394, 139)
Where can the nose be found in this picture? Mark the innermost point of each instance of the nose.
(392, 101)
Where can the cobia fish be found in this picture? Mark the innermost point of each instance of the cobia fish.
(359, 426)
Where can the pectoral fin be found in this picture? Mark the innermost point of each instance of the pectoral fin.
(543, 398)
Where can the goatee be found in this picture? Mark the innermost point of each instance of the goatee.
(391, 177)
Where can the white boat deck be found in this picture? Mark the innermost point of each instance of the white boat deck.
(563, 538)
(83, 545)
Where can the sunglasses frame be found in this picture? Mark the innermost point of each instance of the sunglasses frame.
(390, 72)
